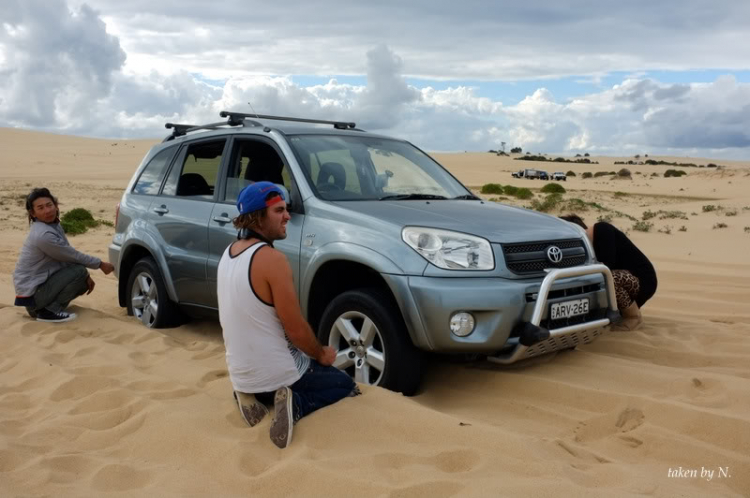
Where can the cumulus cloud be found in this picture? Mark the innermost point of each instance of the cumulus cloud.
(63, 69)
(56, 62)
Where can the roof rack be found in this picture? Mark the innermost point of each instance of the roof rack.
(236, 118)
(182, 129)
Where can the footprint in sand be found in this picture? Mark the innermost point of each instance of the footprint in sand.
(436, 489)
(81, 386)
(212, 376)
(450, 462)
(609, 424)
(118, 477)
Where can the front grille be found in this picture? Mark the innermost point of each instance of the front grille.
(531, 257)
(570, 291)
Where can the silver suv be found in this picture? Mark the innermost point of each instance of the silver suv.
(392, 255)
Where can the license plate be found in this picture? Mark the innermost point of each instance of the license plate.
(567, 309)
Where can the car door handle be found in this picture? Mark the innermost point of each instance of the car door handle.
(223, 218)
(161, 209)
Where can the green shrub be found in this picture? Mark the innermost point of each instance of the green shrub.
(642, 226)
(647, 215)
(747, 229)
(523, 193)
(600, 173)
(720, 225)
(77, 221)
(492, 188)
(621, 194)
(548, 204)
(553, 188)
(587, 175)
(510, 190)
(674, 173)
(606, 218)
(624, 172)
(570, 173)
(708, 208)
(683, 228)
(733, 212)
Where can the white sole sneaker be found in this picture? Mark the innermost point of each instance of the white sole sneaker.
(70, 317)
(283, 420)
(251, 409)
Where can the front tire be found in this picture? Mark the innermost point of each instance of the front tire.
(366, 329)
(147, 296)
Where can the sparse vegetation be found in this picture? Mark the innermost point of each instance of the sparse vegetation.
(667, 230)
(674, 173)
(524, 193)
(492, 188)
(607, 218)
(587, 175)
(624, 172)
(733, 212)
(720, 225)
(619, 194)
(553, 188)
(747, 229)
(642, 226)
(683, 228)
(710, 207)
(77, 221)
(548, 204)
(570, 173)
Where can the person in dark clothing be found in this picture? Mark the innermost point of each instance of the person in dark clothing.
(50, 272)
(633, 273)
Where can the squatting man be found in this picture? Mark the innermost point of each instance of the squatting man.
(50, 273)
(272, 353)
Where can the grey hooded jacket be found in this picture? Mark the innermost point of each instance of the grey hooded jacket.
(45, 251)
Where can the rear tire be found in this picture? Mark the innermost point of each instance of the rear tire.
(147, 296)
(373, 346)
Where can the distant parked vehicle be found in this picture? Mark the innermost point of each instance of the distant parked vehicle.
(559, 175)
(543, 175)
(529, 174)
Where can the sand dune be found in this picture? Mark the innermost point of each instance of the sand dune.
(102, 406)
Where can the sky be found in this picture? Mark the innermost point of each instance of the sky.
(608, 77)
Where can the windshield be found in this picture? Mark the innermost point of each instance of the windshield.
(350, 168)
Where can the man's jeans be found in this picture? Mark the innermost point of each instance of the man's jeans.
(319, 387)
(61, 288)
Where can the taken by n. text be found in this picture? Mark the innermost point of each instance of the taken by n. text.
(703, 473)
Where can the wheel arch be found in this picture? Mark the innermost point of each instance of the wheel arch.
(131, 254)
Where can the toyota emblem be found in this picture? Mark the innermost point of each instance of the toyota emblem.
(554, 254)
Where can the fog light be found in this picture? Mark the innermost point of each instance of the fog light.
(462, 323)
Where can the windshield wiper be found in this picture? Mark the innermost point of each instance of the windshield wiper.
(412, 197)
(468, 197)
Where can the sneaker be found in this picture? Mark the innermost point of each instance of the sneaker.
(251, 409)
(283, 421)
(45, 315)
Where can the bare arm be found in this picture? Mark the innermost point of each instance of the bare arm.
(278, 274)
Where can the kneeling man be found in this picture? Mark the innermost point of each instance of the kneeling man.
(271, 351)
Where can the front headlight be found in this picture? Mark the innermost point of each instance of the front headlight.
(450, 250)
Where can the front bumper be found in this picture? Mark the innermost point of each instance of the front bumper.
(503, 310)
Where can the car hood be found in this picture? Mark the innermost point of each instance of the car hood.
(495, 222)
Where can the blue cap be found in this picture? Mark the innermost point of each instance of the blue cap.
(253, 197)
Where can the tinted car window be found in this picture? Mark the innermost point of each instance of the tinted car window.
(196, 176)
(153, 173)
(254, 161)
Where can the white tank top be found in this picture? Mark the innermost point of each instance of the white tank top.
(260, 358)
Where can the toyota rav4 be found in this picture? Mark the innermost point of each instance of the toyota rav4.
(392, 255)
